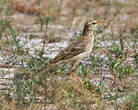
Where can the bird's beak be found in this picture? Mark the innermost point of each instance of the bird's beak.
(100, 22)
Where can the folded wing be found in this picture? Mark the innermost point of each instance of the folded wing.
(72, 50)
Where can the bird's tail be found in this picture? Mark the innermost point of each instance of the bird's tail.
(46, 68)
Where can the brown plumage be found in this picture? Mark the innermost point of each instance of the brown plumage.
(80, 48)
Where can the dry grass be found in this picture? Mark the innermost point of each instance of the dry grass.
(110, 75)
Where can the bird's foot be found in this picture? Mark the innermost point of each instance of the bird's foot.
(72, 75)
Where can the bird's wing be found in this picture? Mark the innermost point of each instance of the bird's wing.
(72, 50)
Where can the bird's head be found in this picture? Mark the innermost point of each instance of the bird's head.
(90, 25)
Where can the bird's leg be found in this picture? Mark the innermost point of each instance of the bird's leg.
(74, 75)
(72, 68)
(72, 72)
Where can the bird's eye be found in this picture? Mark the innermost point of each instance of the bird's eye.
(93, 23)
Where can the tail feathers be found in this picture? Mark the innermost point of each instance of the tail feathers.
(42, 70)
(46, 67)
(54, 61)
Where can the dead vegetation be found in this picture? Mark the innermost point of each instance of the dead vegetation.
(33, 31)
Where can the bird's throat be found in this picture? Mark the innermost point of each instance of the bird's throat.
(88, 33)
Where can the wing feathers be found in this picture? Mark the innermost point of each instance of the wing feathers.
(72, 50)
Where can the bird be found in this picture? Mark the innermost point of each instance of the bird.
(79, 48)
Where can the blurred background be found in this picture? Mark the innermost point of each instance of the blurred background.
(34, 31)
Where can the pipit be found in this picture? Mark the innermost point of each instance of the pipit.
(78, 49)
